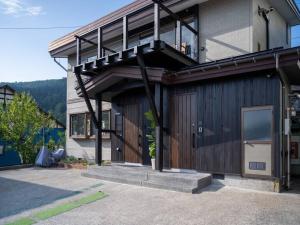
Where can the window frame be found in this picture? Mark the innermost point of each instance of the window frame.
(84, 136)
(87, 130)
(105, 135)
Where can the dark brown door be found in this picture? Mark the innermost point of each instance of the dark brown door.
(183, 131)
(132, 134)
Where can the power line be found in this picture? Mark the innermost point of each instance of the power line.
(37, 28)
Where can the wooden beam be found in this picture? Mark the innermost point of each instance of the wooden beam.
(78, 51)
(156, 22)
(142, 66)
(98, 149)
(174, 15)
(178, 35)
(86, 40)
(159, 128)
(87, 100)
(125, 33)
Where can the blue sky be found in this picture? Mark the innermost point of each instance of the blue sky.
(24, 53)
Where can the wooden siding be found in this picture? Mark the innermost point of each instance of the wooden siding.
(183, 130)
(219, 104)
(133, 143)
(215, 106)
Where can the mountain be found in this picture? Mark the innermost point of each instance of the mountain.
(50, 95)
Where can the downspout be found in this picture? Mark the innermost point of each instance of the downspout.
(267, 30)
(285, 92)
(61, 66)
(264, 13)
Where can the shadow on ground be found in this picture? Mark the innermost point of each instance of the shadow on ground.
(18, 196)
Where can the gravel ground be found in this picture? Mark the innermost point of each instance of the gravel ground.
(132, 205)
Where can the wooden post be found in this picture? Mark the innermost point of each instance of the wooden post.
(78, 51)
(98, 150)
(159, 128)
(156, 22)
(178, 35)
(100, 43)
(125, 32)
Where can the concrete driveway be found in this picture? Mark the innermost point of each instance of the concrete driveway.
(31, 190)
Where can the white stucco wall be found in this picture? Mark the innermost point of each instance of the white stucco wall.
(233, 27)
(77, 147)
(225, 28)
(277, 28)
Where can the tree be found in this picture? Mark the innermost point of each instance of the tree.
(20, 122)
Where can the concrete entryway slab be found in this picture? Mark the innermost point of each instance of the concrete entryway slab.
(182, 181)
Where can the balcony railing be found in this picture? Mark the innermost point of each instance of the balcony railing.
(180, 26)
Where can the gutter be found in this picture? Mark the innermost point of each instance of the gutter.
(294, 7)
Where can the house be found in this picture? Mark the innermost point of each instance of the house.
(12, 157)
(216, 75)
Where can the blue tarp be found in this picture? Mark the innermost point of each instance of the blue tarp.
(46, 158)
(11, 157)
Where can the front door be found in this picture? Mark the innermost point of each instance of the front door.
(132, 133)
(183, 130)
(257, 126)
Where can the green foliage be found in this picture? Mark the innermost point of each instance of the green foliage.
(51, 144)
(72, 159)
(20, 122)
(50, 95)
(62, 139)
(151, 135)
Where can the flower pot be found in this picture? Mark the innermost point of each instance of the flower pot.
(153, 163)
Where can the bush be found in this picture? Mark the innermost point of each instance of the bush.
(151, 134)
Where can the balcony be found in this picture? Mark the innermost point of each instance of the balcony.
(167, 41)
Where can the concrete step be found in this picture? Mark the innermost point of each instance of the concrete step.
(144, 176)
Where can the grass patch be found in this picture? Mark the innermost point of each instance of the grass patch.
(22, 221)
(48, 213)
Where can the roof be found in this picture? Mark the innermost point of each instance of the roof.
(289, 8)
(69, 38)
(288, 60)
(7, 87)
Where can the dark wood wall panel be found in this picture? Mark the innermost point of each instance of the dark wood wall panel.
(133, 143)
(219, 104)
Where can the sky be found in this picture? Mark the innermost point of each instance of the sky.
(24, 53)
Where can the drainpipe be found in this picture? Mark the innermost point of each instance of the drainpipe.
(285, 91)
(264, 13)
(61, 66)
(267, 30)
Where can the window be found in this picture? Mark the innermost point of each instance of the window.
(91, 131)
(81, 125)
(258, 125)
(189, 40)
(77, 122)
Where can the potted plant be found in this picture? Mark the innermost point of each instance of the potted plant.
(151, 137)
